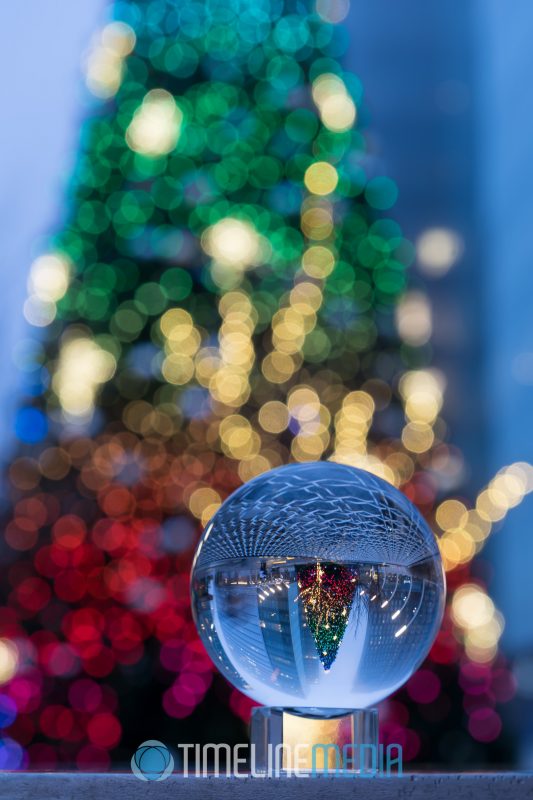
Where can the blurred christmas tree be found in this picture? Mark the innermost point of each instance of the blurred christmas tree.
(224, 298)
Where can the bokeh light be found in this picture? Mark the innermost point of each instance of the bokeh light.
(438, 249)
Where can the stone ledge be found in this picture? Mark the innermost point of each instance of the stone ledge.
(416, 786)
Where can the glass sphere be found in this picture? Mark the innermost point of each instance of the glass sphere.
(317, 586)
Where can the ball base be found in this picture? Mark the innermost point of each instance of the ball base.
(300, 741)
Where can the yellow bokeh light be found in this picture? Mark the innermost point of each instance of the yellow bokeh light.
(318, 261)
(466, 530)
(450, 513)
(204, 502)
(471, 606)
(306, 294)
(369, 463)
(481, 642)
(457, 547)
(226, 371)
(119, 38)
(478, 621)
(156, 125)
(234, 243)
(278, 367)
(317, 221)
(307, 448)
(274, 416)
(422, 407)
(239, 305)
(437, 250)
(417, 437)
(321, 178)
(105, 64)
(8, 660)
(422, 391)
(374, 465)
(177, 369)
(338, 112)
(476, 526)
(175, 318)
(422, 380)
(230, 386)
(352, 423)
(252, 467)
(450, 552)
(336, 108)
(524, 472)
(401, 466)
(304, 406)
(49, 277)
(413, 318)
(207, 362)
(82, 367)
(182, 341)
(489, 507)
(508, 488)
(238, 439)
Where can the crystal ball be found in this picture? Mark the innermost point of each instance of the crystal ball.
(317, 586)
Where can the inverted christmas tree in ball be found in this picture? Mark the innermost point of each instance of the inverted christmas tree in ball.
(317, 590)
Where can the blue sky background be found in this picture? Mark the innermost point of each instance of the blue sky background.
(42, 101)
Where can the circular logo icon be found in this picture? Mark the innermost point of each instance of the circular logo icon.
(152, 761)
